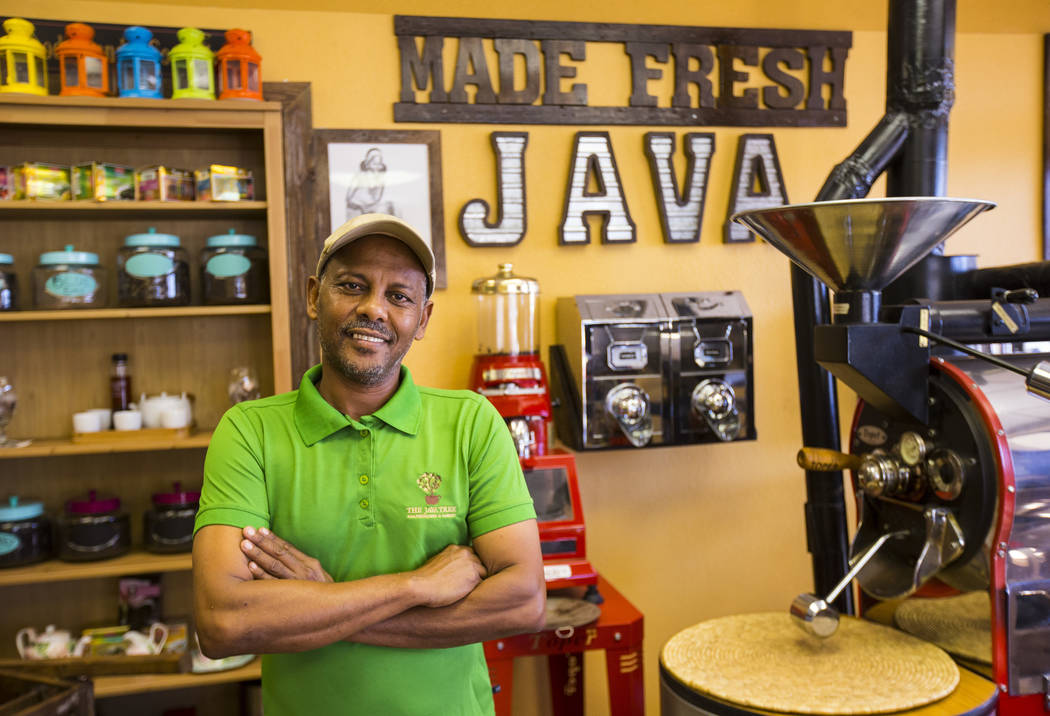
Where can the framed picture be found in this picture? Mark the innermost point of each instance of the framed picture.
(397, 172)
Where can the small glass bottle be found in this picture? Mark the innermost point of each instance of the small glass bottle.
(120, 382)
(8, 283)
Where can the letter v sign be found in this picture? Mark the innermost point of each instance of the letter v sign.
(680, 216)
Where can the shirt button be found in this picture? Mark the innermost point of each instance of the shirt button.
(364, 433)
(364, 504)
(363, 479)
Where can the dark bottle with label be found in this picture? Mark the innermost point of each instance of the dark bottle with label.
(120, 382)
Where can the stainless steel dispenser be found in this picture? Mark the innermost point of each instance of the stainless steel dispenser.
(653, 369)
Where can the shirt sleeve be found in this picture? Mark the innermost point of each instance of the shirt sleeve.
(498, 494)
(234, 491)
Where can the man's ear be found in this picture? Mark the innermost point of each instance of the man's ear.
(313, 287)
(424, 319)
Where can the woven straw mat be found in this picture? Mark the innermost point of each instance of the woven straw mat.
(766, 661)
(961, 625)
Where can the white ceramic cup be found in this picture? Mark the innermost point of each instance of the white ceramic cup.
(86, 422)
(105, 417)
(176, 416)
(127, 420)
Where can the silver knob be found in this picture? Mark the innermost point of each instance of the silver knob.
(629, 405)
(715, 398)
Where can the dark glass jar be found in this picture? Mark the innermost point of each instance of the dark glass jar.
(93, 528)
(152, 270)
(25, 533)
(234, 269)
(8, 283)
(168, 525)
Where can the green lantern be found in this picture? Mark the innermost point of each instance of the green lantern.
(191, 66)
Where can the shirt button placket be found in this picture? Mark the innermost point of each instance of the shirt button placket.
(367, 498)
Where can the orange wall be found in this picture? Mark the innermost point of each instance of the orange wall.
(687, 533)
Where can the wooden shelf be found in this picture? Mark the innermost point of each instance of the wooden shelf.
(83, 314)
(55, 100)
(135, 562)
(63, 446)
(22, 207)
(123, 685)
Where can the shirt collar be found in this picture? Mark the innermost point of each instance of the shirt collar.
(316, 418)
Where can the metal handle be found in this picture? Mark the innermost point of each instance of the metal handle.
(825, 460)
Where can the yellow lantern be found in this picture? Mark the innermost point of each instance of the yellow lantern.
(191, 66)
(83, 66)
(23, 64)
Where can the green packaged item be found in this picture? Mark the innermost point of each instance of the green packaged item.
(103, 182)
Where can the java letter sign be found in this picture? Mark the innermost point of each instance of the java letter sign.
(526, 72)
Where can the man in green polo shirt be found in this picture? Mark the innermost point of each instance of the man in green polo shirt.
(409, 501)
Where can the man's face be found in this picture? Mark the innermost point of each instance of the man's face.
(370, 304)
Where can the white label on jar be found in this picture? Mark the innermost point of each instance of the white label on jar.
(8, 543)
(149, 265)
(226, 265)
(70, 285)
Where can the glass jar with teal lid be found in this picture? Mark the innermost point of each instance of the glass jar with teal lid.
(8, 283)
(234, 269)
(69, 279)
(25, 533)
(153, 270)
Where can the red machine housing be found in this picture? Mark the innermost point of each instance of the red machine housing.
(517, 386)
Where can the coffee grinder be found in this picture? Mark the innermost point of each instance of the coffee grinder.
(507, 368)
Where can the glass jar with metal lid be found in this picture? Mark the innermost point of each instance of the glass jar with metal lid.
(68, 279)
(153, 270)
(234, 270)
(168, 525)
(8, 283)
(92, 528)
(25, 533)
(507, 313)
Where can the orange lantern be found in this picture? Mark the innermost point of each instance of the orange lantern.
(84, 69)
(239, 67)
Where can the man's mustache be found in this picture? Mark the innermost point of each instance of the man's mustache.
(371, 326)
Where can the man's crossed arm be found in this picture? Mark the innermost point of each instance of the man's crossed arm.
(286, 602)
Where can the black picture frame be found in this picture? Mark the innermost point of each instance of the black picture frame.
(364, 146)
(1046, 147)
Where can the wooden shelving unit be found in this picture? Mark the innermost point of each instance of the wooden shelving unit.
(124, 685)
(59, 361)
(135, 562)
(87, 314)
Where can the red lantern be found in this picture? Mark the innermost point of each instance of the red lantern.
(239, 67)
(84, 68)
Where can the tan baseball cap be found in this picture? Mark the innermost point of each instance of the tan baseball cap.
(380, 225)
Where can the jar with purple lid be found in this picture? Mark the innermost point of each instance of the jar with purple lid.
(92, 528)
(25, 533)
(168, 525)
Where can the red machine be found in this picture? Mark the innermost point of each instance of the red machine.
(554, 488)
(507, 368)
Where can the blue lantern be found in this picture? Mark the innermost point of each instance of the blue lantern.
(138, 65)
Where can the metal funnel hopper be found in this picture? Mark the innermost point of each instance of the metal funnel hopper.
(861, 244)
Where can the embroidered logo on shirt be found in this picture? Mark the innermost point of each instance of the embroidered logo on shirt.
(429, 483)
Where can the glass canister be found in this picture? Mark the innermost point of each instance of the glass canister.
(93, 528)
(234, 270)
(153, 270)
(8, 283)
(25, 533)
(507, 313)
(168, 525)
(68, 279)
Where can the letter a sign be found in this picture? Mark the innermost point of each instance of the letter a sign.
(593, 160)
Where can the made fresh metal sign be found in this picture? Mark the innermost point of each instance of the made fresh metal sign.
(526, 72)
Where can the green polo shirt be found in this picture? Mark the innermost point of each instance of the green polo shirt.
(375, 496)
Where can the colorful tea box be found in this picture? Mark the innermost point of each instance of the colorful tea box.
(40, 180)
(159, 183)
(7, 183)
(223, 183)
(103, 182)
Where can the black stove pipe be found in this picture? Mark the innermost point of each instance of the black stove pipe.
(911, 142)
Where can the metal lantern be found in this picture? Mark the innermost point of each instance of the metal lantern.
(138, 65)
(239, 67)
(84, 68)
(23, 63)
(191, 66)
